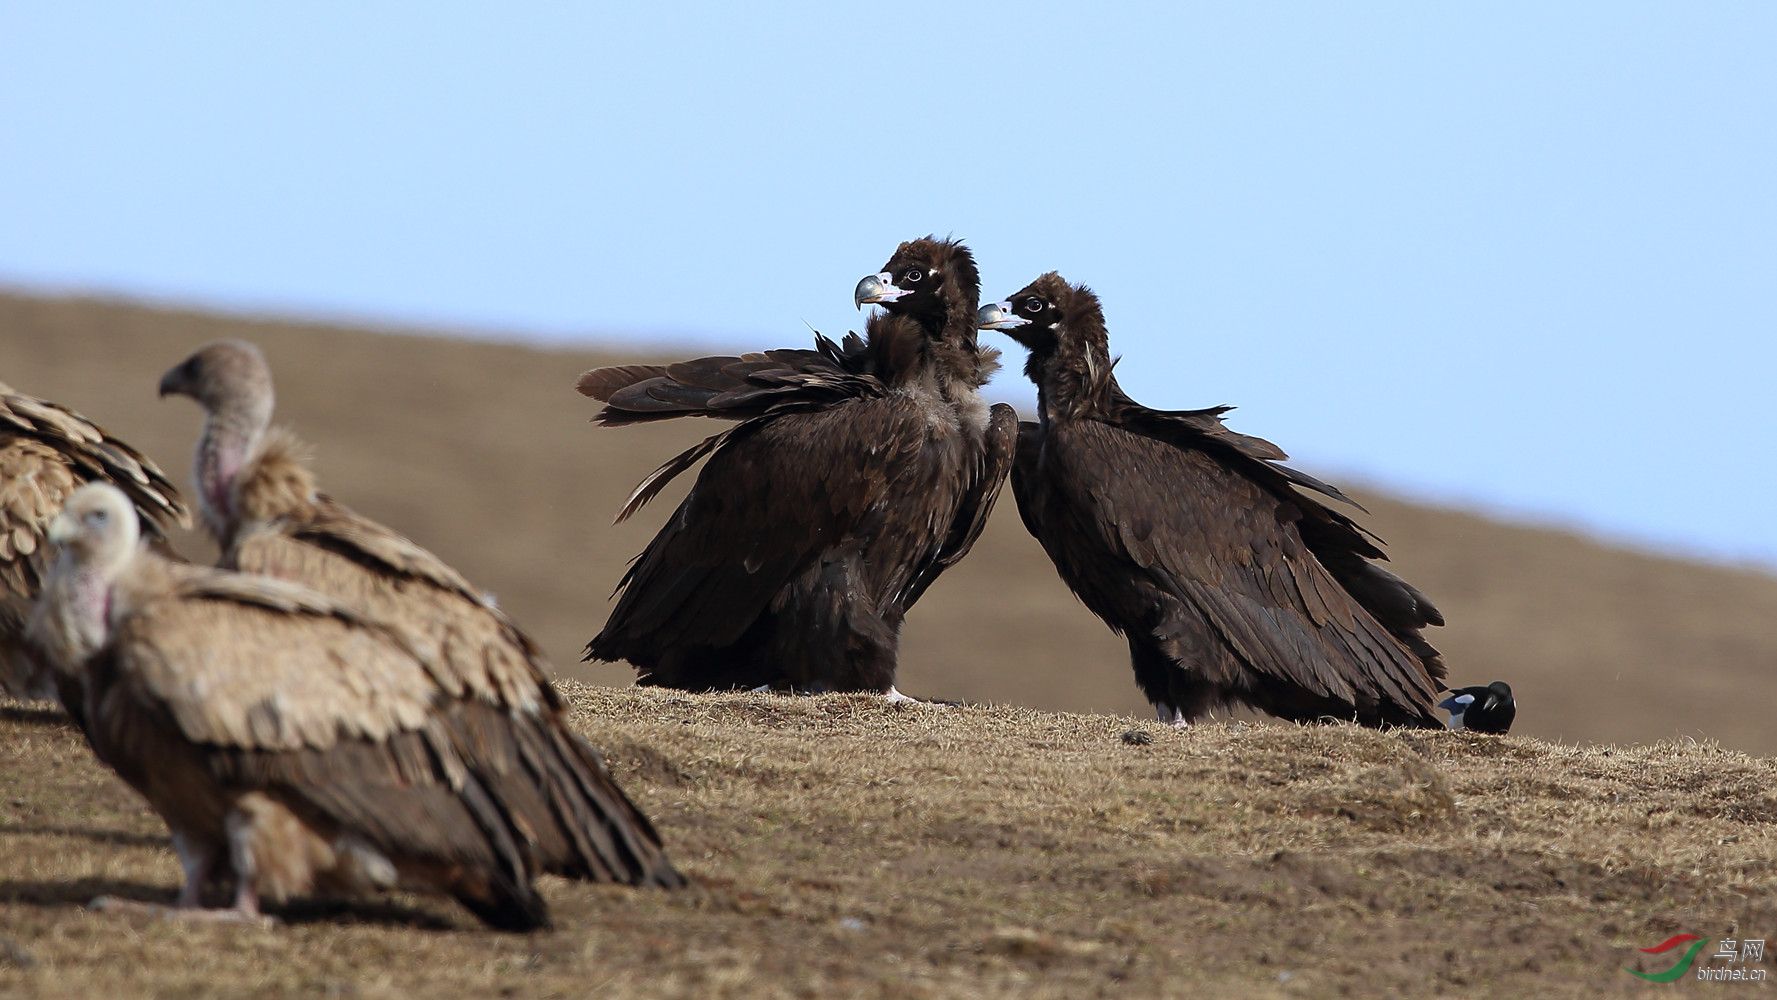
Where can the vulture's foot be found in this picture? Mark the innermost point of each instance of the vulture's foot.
(895, 697)
(116, 906)
(1171, 716)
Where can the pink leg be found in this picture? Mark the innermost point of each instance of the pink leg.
(199, 862)
(246, 901)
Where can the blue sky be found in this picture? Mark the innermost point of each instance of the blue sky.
(1521, 256)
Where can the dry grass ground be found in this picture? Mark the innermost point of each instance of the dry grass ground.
(484, 453)
(844, 847)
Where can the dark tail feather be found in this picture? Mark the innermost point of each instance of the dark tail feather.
(602, 383)
(640, 840)
(615, 841)
(657, 480)
(501, 903)
(500, 894)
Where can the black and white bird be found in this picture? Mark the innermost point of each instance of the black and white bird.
(1489, 709)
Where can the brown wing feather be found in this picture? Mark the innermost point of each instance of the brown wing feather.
(516, 794)
(251, 662)
(735, 388)
(94, 455)
(601, 383)
(1342, 545)
(1204, 429)
(650, 487)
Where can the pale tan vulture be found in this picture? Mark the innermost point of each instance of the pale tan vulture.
(295, 745)
(46, 452)
(259, 500)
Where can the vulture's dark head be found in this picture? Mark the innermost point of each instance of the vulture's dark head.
(1048, 315)
(1063, 328)
(929, 280)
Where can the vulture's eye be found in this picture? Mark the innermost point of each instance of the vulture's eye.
(913, 275)
(97, 517)
(1033, 305)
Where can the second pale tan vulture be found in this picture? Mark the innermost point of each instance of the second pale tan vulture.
(260, 500)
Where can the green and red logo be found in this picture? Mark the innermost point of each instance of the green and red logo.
(1679, 968)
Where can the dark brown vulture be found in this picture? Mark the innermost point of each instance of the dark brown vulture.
(1231, 584)
(46, 452)
(259, 499)
(856, 475)
(295, 745)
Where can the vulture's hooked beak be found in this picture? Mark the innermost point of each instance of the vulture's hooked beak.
(876, 288)
(173, 382)
(62, 529)
(998, 316)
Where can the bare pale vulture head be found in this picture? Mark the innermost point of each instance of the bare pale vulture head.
(228, 378)
(97, 527)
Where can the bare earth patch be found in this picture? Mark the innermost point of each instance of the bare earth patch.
(844, 847)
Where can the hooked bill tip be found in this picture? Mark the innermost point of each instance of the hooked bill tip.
(998, 316)
(874, 289)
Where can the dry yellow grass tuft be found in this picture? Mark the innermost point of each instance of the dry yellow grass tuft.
(844, 847)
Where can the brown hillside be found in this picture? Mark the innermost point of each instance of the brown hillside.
(483, 452)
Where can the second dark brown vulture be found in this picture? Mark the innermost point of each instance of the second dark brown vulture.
(1232, 585)
(858, 472)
